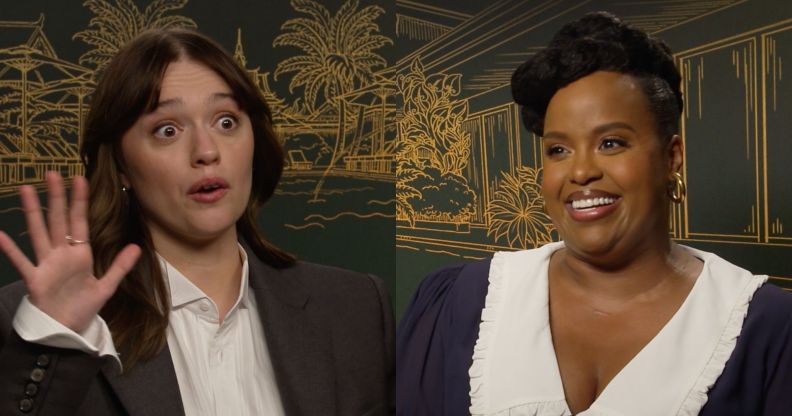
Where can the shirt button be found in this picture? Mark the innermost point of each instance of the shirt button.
(25, 405)
(43, 361)
(204, 307)
(37, 375)
(31, 389)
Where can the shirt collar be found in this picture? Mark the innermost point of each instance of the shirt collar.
(672, 373)
(183, 291)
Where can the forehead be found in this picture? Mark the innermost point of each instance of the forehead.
(600, 97)
(187, 77)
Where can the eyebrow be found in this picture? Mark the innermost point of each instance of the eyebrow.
(175, 102)
(597, 131)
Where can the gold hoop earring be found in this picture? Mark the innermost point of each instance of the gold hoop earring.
(677, 190)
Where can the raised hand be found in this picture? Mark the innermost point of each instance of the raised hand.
(62, 283)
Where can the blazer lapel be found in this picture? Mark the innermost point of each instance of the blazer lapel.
(300, 350)
(149, 388)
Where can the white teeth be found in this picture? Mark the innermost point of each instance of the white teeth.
(592, 202)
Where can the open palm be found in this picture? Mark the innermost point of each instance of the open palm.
(62, 283)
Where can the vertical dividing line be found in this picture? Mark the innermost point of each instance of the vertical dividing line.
(700, 78)
(767, 56)
(747, 90)
(686, 88)
(755, 110)
(776, 60)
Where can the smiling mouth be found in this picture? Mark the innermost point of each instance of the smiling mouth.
(582, 204)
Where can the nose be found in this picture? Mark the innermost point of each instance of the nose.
(584, 169)
(204, 148)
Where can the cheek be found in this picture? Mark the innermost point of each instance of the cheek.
(134, 161)
(145, 169)
(552, 180)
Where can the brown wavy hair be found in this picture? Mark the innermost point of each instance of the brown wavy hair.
(137, 313)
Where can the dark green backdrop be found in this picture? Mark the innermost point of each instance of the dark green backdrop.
(372, 184)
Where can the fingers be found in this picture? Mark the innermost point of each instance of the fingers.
(122, 264)
(56, 215)
(37, 230)
(79, 209)
(16, 256)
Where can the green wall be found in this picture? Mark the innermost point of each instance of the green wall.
(372, 184)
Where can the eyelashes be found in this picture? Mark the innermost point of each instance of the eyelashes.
(607, 145)
(612, 143)
(170, 129)
(165, 131)
(228, 122)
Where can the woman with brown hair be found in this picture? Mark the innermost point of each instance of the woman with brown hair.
(616, 319)
(164, 263)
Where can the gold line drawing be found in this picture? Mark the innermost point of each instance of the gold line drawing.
(775, 43)
(516, 211)
(338, 50)
(42, 102)
(749, 54)
(344, 100)
(500, 148)
(302, 227)
(43, 98)
(430, 143)
(433, 150)
(113, 25)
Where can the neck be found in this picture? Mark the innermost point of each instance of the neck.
(214, 266)
(645, 271)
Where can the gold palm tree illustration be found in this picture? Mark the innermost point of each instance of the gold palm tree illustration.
(516, 211)
(338, 50)
(116, 24)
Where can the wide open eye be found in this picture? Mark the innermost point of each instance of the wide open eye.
(166, 131)
(227, 122)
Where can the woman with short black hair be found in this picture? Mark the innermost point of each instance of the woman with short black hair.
(616, 319)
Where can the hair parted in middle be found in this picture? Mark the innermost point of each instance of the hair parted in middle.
(137, 313)
(599, 41)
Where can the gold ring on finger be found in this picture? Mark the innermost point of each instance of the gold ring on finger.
(73, 241)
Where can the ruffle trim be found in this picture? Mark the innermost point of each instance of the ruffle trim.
(697, 397)
(492, 303)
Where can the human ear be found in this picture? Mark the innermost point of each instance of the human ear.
(125, 181)
(675, 152)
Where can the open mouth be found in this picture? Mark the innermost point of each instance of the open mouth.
(591, 205)
(208, 190)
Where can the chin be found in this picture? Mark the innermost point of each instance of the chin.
(591, 243)
(211, 227)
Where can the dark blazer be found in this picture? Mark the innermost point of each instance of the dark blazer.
(329, 332)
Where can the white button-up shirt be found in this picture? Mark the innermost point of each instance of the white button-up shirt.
(222, 368)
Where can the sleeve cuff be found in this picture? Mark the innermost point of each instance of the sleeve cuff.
(33, 325)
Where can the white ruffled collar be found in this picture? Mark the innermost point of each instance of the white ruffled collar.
(515, 371)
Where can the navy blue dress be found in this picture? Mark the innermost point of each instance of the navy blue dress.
(435, 340)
